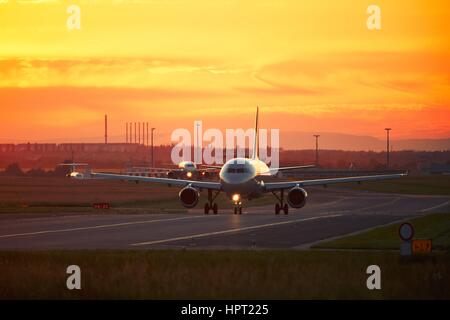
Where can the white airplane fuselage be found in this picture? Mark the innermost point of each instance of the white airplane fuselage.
(237, 177)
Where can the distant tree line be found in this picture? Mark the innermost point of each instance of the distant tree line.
(332, 159)
(14, 170)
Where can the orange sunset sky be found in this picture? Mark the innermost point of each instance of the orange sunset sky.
(313, 66)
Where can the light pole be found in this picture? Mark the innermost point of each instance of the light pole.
(198, 151)
(106, 129)
(387, 146)
(317, 148)
(147, 136)
(153, 165)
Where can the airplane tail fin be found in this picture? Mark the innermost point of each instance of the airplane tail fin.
(255, 154)
(73, 165)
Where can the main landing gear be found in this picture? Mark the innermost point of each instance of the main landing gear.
(211, 205)
(280, 205)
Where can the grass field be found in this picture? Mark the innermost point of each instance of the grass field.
(222, 275)
(433, 226)
(35, 195)
(424, 184)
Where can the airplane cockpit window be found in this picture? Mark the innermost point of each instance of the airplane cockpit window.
(236, 170)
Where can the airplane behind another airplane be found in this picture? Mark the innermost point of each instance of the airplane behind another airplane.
(238, 180)
(190, 170)
(183, 170)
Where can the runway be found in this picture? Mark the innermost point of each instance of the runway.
(328, 213)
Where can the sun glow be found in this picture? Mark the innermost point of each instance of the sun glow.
(311, 65)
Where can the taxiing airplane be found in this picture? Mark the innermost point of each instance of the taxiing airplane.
(184, 170)
(238, 180)
(190, 170)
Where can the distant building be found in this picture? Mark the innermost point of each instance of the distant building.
(76, 147)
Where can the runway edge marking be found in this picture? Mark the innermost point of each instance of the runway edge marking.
(207, 234)
(94, 227)
(308, 246)
(435, 207)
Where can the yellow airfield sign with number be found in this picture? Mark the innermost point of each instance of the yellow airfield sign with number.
(421, 246)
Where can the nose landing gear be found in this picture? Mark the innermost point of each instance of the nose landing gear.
(236, 198)
(238, 208)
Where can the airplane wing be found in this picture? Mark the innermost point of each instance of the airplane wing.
(158, 170)
(270, 186)
(154, 169)
(272, 170)
(74, 164)
(210, 167)
(167, 181)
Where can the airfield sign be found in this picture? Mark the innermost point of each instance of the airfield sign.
(406, 231)
(421, 246)
(412, 246)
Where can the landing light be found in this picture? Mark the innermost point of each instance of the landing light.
(189, 174)
(235, 197)
(75, 175)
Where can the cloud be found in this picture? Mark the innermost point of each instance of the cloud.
(37, 1)
(381, 61)
(273, 88)
(167, 68)
(123, 72)
(277, 90)
(360, 77)
(110, 97)
(352, 77)
(407, 86)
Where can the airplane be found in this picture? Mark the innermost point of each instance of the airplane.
(191, 170)
(239, 181)
(183, 170)
(73, 165)
(188, 168)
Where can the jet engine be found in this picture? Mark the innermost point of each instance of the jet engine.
(189, 197)
(296, 197)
